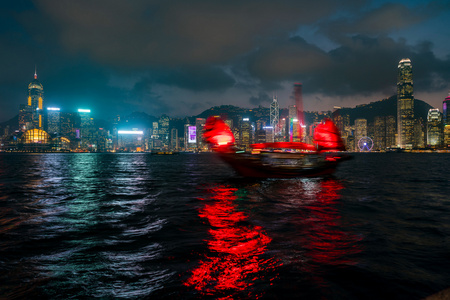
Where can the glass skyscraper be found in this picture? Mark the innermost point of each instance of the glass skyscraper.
(35, 101)
(405, 105)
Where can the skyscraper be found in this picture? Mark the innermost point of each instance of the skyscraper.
(274, 114)
(446, 110)
(405, 105)
(434, 128)
(446, 117)
(53, 121)
(360, 131)
(35, 101)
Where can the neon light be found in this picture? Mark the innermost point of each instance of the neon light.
(84, 110)
(192, 134)
(245, 119)
(53, 108)
(130, 132)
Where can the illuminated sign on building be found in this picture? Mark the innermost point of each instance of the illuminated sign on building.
(130, 132)
(84, 110)
(53, 108)
(192, 134)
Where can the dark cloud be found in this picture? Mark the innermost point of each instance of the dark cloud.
(184, 56)
(262, 98)
(196, 78)
(170, 33)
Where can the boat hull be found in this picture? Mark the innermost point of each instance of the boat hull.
(277, 166)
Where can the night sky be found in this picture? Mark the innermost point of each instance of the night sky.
(182, 57)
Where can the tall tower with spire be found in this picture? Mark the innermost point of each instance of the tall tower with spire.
(274, 115)
(405, 105)
(36, 101)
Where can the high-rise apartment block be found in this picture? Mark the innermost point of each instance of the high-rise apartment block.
(405, 105)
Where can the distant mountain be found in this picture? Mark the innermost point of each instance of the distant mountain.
(385, 107)
(13, 123)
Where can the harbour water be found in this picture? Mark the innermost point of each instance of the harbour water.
(142, 226)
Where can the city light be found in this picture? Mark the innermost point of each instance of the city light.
(84, 110)
(53, 108)
(130, 132)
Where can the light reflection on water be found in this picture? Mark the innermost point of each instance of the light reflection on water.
(165, 227)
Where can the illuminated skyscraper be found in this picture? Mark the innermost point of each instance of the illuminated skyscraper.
(434, 128)
(87, 127)
(274, 115)
(163, 131)
(405, 105)
(446, 117)
(174, 139)
(245, 133)
(384, 132)
(35, 101)
(360, 130)
(53, 121)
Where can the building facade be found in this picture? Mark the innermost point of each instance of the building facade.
(434, 128)
(405, 105)
(446, 120)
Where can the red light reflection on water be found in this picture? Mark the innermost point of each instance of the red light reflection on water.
(234, 261)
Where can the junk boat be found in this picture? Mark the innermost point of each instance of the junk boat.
(279, 159)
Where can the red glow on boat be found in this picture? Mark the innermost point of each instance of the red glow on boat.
(217, 133)
(327, 137)
(285, 145)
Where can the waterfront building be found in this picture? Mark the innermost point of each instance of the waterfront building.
(163, 131)
(446, 110)
(419, 133)
(434, 128)
(190, 137)
(131, 140)
(174, 139)
(36, 102)
(86, 132)
(268, 134)
(405, 105)
(35, 140)
(53, 121)
(360, 131)
(384, 132)
(199, 126)
(245, 133)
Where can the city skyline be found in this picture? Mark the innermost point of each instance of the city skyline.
(179, 60)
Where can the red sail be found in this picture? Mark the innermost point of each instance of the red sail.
(327, 137)
(217, 133)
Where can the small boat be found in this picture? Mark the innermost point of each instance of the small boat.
(279, 159)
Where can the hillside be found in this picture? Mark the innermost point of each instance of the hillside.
(385, 107)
